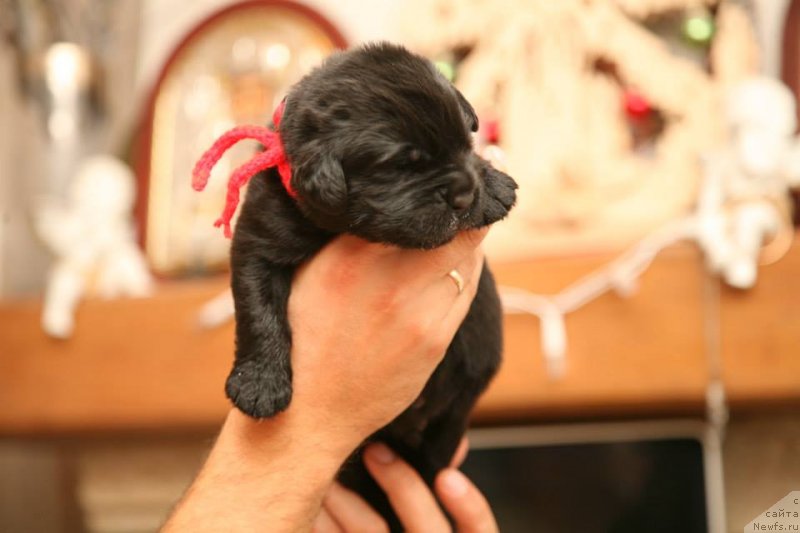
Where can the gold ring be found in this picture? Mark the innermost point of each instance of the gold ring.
(455, 275)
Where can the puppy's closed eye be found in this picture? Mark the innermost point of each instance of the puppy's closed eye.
(403, 156)
(415, 155)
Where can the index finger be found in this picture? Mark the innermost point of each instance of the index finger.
(464, 502)
(410, 497)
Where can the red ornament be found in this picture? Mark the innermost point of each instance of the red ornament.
(491, 131)
(636, 105)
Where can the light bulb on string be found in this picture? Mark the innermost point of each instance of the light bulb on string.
(447, 68)
(698, 27)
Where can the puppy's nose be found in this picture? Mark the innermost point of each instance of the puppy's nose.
(461, 192)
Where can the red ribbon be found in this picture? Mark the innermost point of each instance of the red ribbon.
(272, 156)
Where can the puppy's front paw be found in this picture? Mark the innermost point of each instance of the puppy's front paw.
(257, 392)
(504, 192)
(500, 195)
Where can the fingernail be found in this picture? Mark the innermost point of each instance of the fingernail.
(381, 454)
(454, 482)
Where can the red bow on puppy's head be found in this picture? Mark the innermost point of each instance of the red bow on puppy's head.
(272, 156)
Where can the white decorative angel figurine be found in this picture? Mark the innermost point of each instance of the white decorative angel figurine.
(93, 240)
(743, 201)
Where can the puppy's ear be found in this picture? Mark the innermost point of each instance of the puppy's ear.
(469, 111)
(320, 183)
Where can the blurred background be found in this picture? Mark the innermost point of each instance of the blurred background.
(649, 270)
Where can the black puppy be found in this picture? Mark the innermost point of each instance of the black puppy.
(380, 147)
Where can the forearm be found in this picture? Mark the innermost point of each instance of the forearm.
(260, 476)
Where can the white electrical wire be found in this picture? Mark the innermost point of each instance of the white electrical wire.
(621, 275)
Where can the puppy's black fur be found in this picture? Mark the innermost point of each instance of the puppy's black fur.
(380, 148)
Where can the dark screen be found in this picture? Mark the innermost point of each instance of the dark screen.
(630, 487)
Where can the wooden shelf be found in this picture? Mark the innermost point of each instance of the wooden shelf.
(131, 364)
(144, 364)
(644, 354)
(760, 336)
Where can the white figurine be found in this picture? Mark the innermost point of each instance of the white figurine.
(93, 241)
(743, 198)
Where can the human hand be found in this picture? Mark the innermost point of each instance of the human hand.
(370, 323)
(344, 511)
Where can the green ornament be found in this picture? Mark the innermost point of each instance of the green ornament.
(447, 69)
(699, 28)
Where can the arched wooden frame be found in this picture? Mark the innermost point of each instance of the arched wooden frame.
(143, 150)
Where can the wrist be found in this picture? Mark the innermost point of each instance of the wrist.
(333, 437)
(328, 417)
(260, 474)
(289, 436)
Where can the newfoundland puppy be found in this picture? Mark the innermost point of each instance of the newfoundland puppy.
(379, 146)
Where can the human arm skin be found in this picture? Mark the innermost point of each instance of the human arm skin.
(369, 323)
(259, 476)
